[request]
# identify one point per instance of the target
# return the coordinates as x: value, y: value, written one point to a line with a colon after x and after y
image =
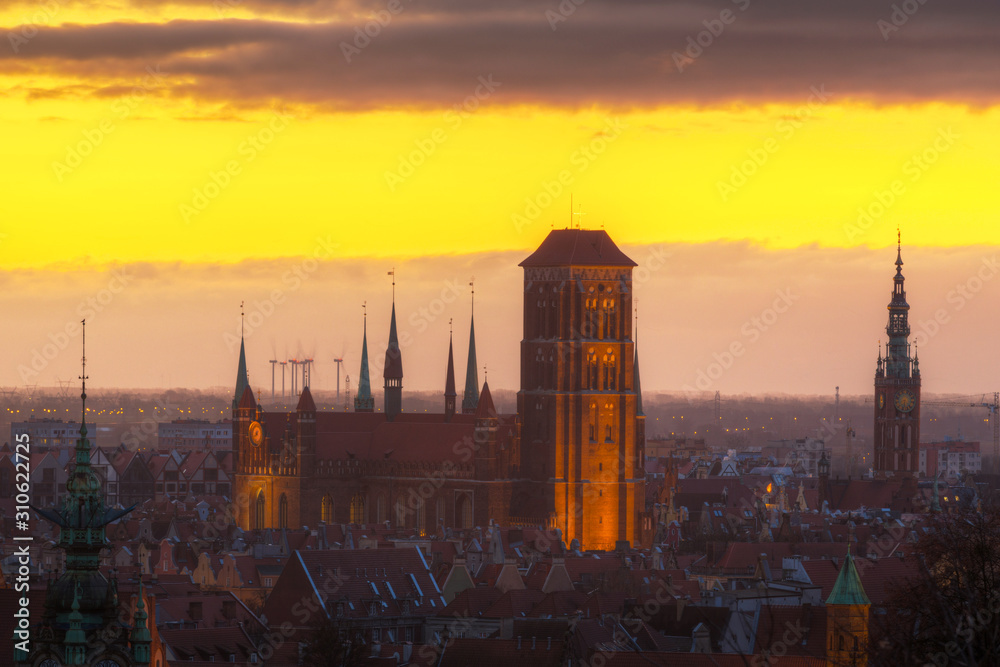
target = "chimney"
x: 532, y: 643
x: 519, y: 642
x: 549, y: 646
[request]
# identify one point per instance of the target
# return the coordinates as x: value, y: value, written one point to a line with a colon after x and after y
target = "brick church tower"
x: 897, y: 392
x: 578, y: 403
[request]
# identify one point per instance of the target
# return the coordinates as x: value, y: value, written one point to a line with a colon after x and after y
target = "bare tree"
x: 950, y: 613
x: 332, y: 643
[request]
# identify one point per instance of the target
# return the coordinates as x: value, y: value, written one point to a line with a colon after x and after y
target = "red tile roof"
x: 577, y: 247
x: 486, y: 409
x: 502, y: 653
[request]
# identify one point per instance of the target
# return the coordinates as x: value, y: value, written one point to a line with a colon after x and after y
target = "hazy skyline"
x: 177, y: 325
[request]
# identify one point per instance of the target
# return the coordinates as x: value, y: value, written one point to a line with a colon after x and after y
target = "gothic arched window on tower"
x: 593, y: 422
x: 420, y: 517
x: 258, y: 519
x: 463, y: 509
x: 609, y: 427
x: 283, y: 512
x: 591, y: 369
x: 380, y: 509
x: 326, y: 509
x: 590, y: 322
x: 609, y: 382
x: 539, y: 367
x: 358, y: 509
x: 610, y: 319
x: 401, y: 513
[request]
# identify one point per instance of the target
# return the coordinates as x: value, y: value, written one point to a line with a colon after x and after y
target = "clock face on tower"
x: 905, y: 401
x: 256, y: 433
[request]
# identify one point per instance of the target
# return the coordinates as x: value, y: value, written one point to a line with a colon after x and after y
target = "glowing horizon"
x: 222, y: 144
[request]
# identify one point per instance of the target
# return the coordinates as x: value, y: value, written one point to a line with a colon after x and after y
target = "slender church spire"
x: 393, y: 369
x: 470, y: 401
x: 449, y: 381
x: 242, y: 378
x: 364, y: 402
x: 635, y: 369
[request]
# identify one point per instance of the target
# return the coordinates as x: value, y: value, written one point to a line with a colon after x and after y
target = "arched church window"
x: 463, y: 510
x: 326, y: 509
x: 358, y: 509
x: 258, y: 518
x: 283, y: 512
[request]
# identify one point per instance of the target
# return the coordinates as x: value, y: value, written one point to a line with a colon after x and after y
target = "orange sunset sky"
x: 163, y: 161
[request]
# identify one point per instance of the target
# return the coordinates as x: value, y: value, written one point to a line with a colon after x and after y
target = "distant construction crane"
x: 994, y: 409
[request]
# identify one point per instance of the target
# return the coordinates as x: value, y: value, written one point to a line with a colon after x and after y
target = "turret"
x: 393, y: 372
x: 485, y: 435
x: 364, y: 402
x: 242, y: 377
x: 470, y: 401
x: 847, y: 612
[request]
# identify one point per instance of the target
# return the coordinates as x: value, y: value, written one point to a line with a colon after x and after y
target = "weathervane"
x: 472, y: 284
x: 393, y: 274
x: 572, y: 213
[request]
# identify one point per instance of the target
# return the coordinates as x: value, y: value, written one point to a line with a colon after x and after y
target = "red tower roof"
x: 486, y: 410
x: 306, y: 402
x: 578, y: 247
x: 247, y: 400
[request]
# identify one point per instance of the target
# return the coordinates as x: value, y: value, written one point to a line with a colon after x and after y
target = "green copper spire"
x: 470, y: 401
x: 242, y: 378
x: 638, y: 384
x: 81, y: 594
x: 847, y: 590
x: 139, y: 637
x: 364, y: 402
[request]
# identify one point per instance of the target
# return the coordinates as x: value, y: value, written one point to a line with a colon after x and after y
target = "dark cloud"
x: 622, y: 53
